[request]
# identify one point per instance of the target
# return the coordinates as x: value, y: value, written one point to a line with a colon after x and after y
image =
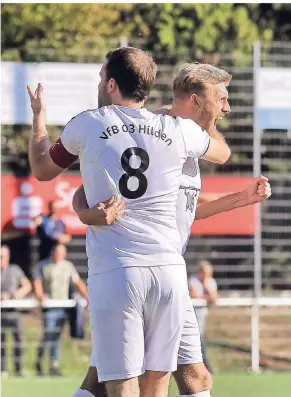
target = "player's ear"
x: 194, y: 100
x: 111, y: 85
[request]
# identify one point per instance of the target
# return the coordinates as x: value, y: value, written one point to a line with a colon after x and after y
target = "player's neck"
x: 179, y: 109
x: 129, y: 103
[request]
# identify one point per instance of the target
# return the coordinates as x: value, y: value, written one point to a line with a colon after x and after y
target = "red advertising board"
x: 25, y: 198
x: 241, y: 221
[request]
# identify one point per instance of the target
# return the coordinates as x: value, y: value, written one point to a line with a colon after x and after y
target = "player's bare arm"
x: 218, y: 151
x: 42, y: 166
x: 102, y: 214
x: 258, y: 191
x: 207, y: 197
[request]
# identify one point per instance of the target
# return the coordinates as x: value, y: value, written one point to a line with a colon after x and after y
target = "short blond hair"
x: 192, y: 77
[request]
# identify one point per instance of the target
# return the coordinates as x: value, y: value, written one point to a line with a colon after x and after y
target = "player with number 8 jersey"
x: 137, y: 280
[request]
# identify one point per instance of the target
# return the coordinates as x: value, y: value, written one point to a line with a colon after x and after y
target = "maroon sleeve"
x: 61, y: 156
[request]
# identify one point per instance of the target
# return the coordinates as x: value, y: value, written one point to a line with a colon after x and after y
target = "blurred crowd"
x: 53, y: 278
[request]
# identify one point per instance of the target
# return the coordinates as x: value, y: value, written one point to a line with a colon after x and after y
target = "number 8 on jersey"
x: 137, y: 172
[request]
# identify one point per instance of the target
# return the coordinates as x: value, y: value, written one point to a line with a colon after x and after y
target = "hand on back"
x: 109, y: 211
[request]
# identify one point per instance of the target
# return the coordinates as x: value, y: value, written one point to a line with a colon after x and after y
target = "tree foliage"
x: 37, y: 32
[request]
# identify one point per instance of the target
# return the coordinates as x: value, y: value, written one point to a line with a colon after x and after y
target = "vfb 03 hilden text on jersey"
x: 131, y: 128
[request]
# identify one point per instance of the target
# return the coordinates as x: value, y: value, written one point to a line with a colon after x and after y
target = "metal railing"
x: 221, y: 302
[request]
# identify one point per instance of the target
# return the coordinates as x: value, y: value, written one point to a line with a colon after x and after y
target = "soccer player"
x: 200, y: 93
x: 137, y: 280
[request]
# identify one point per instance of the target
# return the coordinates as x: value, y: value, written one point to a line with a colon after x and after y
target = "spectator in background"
x: 52, y: 281
x: 50, y: 230
x: 203, y: 286
x: 14, y: 285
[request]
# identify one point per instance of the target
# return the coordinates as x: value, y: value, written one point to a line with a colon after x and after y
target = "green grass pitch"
x: 225, y: 385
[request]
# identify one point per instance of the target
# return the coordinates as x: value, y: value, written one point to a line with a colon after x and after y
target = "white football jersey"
x: 187, y: 199
x: 138, y: 156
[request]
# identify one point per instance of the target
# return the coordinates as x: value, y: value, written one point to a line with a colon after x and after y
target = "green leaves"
x: 52, y: 31
x: 78, y: 32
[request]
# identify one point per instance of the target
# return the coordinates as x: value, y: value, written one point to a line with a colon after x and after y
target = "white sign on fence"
x: 274, y: 98
x: 69, y: 89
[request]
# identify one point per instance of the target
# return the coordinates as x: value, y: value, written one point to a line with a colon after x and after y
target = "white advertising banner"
x: 69, y: 88
x: 274, y: 98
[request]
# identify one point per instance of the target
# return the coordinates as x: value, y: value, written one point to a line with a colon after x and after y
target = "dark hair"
x: 133, y: 70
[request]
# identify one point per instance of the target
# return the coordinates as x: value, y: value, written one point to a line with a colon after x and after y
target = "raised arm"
x: 199, y: 143
x: 102, y: 214
x: 217, y: 149
x: 48, y: 161
x: 42, y: 166
x: 258, y: 190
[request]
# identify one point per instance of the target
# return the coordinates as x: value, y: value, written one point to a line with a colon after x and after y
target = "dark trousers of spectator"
x: 204, y: 355
x: 53, y: 325
x: 11, y: 321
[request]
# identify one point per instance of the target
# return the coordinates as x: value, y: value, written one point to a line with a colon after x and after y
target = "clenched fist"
x: 258, y: 190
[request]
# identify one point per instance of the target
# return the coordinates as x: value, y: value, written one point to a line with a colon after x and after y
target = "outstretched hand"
x: 36, y: 99
x: 258, y: 190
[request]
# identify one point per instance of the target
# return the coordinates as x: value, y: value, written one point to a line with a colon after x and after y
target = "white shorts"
x: 137, y: 316
x: 190, y: 344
